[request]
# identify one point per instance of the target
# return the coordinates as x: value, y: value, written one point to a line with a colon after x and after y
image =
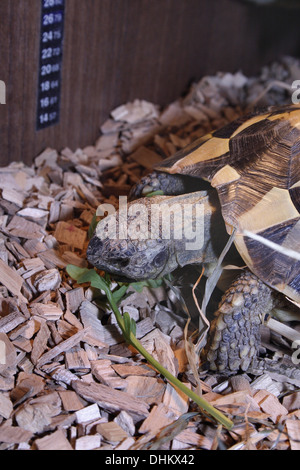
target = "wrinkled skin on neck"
x: 154, y: 236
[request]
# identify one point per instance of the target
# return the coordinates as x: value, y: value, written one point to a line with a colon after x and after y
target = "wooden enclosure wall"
x: 118, y: 50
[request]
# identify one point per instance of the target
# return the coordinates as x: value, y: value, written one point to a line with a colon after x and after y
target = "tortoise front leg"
x: 234, y: 336
x: 170, y: 185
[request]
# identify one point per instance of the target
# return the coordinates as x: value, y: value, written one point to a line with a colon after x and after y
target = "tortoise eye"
x: 160, y: 259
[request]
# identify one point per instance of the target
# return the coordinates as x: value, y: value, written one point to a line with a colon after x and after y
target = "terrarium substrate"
x: 67, y: 378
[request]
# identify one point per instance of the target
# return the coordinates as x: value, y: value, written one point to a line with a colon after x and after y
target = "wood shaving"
x: 67, y: 379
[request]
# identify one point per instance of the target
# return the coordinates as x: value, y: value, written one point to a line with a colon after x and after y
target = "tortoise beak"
x: 95, y: 251
x: 97, y: 255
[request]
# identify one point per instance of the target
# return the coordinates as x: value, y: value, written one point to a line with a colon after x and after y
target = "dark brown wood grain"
x: 115, y: 51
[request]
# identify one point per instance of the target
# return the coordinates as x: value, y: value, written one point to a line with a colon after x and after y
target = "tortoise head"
x: 151, y: 237
x: 129, y: 260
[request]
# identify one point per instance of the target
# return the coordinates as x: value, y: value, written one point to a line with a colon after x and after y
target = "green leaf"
x: 133, y: 326
x: 159, y: 192
x: 120, y: 293
x: 96, y: 281
x: 152, y: 283
x: 137, y: 286
x: 75, y: 272
x: 127, y: 324
x: 82, y: 275
x: 92, y: 226
x: 128, y: 328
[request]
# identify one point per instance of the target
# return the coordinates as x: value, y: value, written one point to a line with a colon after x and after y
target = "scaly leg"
x: 234, y: 336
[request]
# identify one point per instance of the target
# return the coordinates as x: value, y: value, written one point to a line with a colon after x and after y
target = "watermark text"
x: 2, y: 352
x: 296, y: 353
x: 2, y: 92
x: 138, y: 221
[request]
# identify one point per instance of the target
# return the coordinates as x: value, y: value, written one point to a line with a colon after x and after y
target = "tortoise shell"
x: 254, y: 163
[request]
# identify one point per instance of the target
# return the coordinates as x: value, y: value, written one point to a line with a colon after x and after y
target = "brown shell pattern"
x: 254, y: 163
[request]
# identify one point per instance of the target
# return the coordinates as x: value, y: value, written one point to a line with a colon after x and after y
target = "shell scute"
x: 254, y: 164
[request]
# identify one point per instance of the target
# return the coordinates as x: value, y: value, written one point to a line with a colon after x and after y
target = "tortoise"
x: 245, y: 176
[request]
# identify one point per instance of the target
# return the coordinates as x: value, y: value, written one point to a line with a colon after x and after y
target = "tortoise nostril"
x: 124, y: 263
x: 120, y: 262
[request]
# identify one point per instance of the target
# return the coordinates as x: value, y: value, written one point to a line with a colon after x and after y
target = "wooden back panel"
x: 118, y: 50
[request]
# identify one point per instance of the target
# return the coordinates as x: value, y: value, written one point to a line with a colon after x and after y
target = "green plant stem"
x: 89, y: 275
x: 218, y: 415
